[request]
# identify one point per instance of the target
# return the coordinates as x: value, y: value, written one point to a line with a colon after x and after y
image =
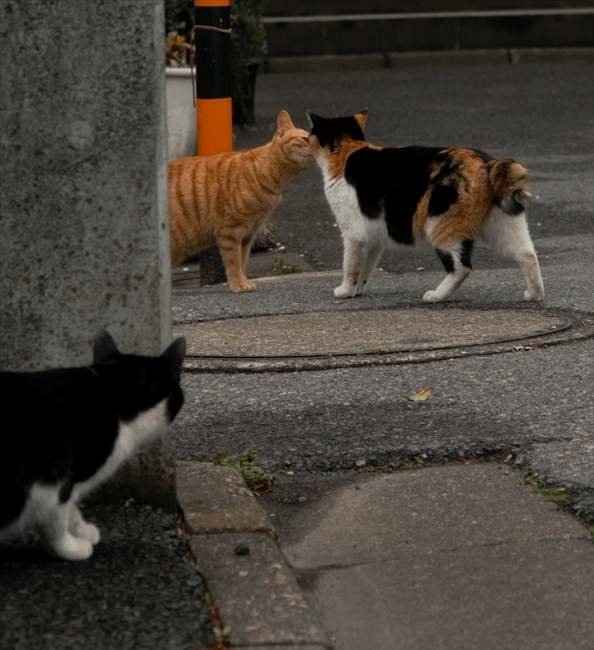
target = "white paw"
x: 432, y: 296
x: 72, y: 548
x: 90, y: 532
x: 534, y: 295
x: 344, y: 292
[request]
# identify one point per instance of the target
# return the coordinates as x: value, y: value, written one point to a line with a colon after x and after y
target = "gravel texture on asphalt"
x: 138, y: 591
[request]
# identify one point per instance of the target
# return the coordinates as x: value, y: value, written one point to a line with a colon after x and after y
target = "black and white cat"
x: 65, y: 431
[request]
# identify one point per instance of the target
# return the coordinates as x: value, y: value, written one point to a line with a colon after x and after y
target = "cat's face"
x: 328, y: 133
x: 293, y: 143
x: 139, y: 382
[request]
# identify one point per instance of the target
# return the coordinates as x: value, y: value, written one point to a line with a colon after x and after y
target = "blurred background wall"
x: 334, y: 27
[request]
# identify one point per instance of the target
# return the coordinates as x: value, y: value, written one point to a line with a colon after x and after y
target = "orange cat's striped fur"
x: 225, y: 199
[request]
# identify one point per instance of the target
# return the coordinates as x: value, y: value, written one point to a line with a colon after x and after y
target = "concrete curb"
x: 233, y: 545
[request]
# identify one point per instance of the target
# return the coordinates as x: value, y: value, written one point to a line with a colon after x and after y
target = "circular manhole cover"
x: 335, y: 334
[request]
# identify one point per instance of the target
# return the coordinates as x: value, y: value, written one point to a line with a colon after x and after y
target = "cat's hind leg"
x: 509, y: 235
x: 371, y: 254
x: 456, y: 261
x: 81, y: 528
x: 351, y: 268
x: 52, y: 517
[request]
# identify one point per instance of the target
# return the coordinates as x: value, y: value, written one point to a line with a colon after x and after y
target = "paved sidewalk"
x: 458, y: 558
x: 426, y: 576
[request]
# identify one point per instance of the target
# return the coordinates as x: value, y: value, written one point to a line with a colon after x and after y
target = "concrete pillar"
x: 84, y: 240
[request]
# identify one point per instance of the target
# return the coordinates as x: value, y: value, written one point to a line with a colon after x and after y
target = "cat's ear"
x: 284, y: 121
x: 104, y: 347
x: 361, y: 118
x: 174, y: 355
x: 314, y: 120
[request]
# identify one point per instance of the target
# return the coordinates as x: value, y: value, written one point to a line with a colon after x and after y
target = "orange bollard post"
x: 214, y: 113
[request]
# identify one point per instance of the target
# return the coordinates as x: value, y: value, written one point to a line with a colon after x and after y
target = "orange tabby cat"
x: 225, y: 199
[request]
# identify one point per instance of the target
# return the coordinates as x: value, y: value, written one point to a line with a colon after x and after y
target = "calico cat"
x: 64, y: 431
x: 452, y: 197
x: 226, y: 198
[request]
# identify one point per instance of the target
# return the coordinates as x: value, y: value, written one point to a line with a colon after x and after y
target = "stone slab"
x: 458, y: 557
x: 256, y: 593
x: 521, y: 596
x: 446, y: 508
x: 214, y: 499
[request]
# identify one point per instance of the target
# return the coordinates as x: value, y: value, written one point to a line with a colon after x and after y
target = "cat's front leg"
x: 371, y: 255
x: 229, y: 242
x: 56, y: 535
x: 351, y: 268
x: 246, y: 249
x: 81, y: 528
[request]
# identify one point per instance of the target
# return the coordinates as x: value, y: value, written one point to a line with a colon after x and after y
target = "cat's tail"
x: 509, y: 180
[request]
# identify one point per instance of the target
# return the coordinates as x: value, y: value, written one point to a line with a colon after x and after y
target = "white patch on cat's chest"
x: 131, y: 435
x: 353, y: 224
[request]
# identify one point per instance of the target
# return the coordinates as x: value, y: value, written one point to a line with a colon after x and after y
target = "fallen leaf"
x: 422, y: 396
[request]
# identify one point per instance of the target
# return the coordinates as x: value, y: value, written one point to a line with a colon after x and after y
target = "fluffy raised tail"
x: 509, y: 180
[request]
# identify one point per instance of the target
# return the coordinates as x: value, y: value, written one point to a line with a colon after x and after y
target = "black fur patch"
x: 446, y: 183
x: 392, y: 180
x: 466, y: 253
x: 442, y: 197
x: 65, y: 491
x: 514, y: 206
x: 446, y: 259
x: 329, y: 131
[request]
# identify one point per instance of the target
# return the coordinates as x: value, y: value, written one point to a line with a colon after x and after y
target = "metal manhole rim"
x: 567, y: 323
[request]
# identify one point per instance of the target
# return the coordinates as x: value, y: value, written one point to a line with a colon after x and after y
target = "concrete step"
x: 374, y: 31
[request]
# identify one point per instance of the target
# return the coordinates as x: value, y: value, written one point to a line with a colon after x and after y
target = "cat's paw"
x: 344, y: 292
x: 534, y: 295
x: 432, y: 296
x: 72, y: 548
x: 241, y: 287
x: 90, y: 532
